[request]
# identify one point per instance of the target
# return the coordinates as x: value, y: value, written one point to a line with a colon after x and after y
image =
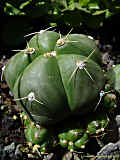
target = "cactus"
x: 58, y: 80
x: 55, y: 75
x: 36, y: 134
x: 113, y: 77
x: 76, y: 134
x: 73, y: 135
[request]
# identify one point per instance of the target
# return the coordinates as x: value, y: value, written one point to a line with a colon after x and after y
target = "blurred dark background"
x: 99, y: 19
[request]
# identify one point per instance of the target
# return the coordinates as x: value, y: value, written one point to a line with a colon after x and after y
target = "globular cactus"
x: 56, y: 76
x: 57, y: 80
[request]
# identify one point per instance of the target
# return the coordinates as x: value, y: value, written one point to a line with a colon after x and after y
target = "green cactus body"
x: 82, y: 45
x: 110, y: 102
x: 12, y: 73
x: 70, y: 137
x: 80, y: 143
x: 71, y: 134
x: 44, y: 42
x: 62, y: 136
x: 74, y: 134
x: 63, y: 143
x: 74, y: 143
x: 113, y: 77
x: 44, y: 147
x: 97, y: 124
x: 71, y: 146
x: 25, y: 119
x: 36, y: 135
x: 77, y: 136
x: 57, y: 78
x: 75, y: 89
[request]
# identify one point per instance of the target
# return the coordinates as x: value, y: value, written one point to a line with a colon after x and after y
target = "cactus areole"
x: 56, y: 76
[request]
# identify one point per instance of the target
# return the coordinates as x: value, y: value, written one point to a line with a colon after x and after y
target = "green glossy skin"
x: 36, y: 134
x: 47, y: 72
x: 113, y: 77
x: 61, y: 89
x: 71, y: 137
x: 76, y: 137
